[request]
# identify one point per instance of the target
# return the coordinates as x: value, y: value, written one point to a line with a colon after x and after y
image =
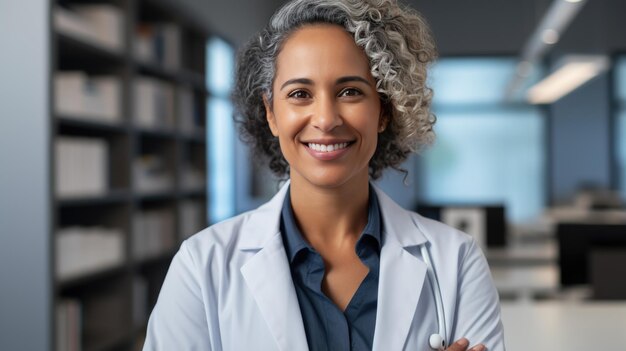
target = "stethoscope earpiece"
x: 437, y: 342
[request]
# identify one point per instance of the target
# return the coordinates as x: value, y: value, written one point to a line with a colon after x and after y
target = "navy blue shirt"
x: 326, y: 326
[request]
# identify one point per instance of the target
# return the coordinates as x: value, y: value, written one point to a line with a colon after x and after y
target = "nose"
x: 326, y: 115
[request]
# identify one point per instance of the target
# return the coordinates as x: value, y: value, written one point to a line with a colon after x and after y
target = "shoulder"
x: 442, y: 239
x: 249, y: 229
x: 457, y: 254
x: 237, y: 236
x: 412, y: 229
x: 220, y: 237
x: 220, y: 233
x: 439, y: 232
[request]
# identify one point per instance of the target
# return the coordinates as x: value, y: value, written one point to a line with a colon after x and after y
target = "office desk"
x: 527, y: 281
x: 567, y: 326
x: 545, y: 253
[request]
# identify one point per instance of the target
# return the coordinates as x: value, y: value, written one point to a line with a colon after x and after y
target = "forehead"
x: 319, y: 50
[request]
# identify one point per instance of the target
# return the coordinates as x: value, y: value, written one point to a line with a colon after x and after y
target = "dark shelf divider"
x: 158, y: 259
x: 113, y: 197
x: 156, y: 133
x: 70, y: 47
x: 91, y: 124
x: 91, y: 278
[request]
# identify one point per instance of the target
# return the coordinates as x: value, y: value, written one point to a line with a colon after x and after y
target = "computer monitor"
x: 576, y: 241
x: 487, y: 223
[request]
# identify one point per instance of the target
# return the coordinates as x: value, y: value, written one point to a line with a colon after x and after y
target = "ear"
x: 269, y: 115
x: 383, y: 120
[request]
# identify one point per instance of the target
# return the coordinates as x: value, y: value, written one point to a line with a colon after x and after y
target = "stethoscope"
x: 436, y: 341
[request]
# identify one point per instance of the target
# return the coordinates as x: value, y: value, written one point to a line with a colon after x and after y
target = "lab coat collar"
x: 268, y: 276
x: 264, y: 222
x: 398, y: 223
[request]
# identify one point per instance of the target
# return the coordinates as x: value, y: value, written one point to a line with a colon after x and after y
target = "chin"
x: 330, y: 178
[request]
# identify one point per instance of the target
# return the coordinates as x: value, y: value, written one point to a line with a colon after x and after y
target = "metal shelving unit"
x: 109, y: 293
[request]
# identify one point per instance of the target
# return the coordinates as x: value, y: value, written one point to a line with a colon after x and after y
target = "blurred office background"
x: 118, y: 142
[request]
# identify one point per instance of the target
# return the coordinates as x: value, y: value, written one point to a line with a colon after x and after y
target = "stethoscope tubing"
x: 432, y: 275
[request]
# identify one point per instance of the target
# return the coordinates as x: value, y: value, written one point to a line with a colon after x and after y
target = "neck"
x: 330, y: 217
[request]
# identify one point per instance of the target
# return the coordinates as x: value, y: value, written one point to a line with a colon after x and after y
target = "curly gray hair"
x: 399, y: 46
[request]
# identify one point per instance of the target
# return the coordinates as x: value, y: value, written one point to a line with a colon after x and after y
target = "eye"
x: 299, y: 94
x: 350, y: 92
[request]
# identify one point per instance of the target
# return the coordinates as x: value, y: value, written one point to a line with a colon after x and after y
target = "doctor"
x: 332, y: 92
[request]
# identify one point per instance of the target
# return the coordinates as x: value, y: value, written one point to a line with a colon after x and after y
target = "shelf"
x: 90, y: 278
x: 157, y: 195
x: 195, y: 79
x: 160, y: 8
x: 112, y: 342
x: 156, y: 133
x: 157, y: 259
x: 79, y: 50
x: 112, y: 198
x: 184, y: 76
x: 90, y: 124
x: 158, y: 71
x: 106, y: 295
x: 197, y: 137
x: 193, y: 192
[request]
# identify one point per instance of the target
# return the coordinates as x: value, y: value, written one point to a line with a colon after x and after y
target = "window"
x: 620, y: 137
x: 220, y: 130
x: 486, y: 150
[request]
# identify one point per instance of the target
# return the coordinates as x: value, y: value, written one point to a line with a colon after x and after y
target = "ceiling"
x: 477, y: 27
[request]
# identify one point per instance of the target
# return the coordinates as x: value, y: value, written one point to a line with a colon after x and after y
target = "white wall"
x: 25, y: 273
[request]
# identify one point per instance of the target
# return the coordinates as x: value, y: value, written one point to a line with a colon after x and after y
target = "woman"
x: 331, y: 92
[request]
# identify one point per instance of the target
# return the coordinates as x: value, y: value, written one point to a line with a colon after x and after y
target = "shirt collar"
x: 294, y: 242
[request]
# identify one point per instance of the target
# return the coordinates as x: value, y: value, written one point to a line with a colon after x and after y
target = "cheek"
x: 364, y: 119
x: 290, y: 123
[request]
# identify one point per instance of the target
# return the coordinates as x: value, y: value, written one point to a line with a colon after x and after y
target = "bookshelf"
x: 128, y: 109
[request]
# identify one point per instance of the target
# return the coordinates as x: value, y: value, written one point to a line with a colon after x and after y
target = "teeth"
x: 327, y: 148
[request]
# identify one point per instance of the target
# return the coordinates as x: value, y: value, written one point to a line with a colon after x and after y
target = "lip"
x: 327, y: 141
x: 328, y: 155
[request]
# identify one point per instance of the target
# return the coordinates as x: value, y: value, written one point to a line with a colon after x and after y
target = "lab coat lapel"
x: 401, y: 277
x: 268, y: 276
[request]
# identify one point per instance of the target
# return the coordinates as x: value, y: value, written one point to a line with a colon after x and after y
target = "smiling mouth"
x: 328, y: 147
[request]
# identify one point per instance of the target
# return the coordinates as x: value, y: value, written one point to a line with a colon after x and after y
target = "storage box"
x: 82, y: 167
x: 100, y: 25
x: 78, y: 95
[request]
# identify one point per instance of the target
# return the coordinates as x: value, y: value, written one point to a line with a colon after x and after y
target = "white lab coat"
x: 229, y: 287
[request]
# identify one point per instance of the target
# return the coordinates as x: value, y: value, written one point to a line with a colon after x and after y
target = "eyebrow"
x: 341, y: 80
x: 352, y: 79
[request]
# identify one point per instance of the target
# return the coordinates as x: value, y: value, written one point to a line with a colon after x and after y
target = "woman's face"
x: 326, y: 111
